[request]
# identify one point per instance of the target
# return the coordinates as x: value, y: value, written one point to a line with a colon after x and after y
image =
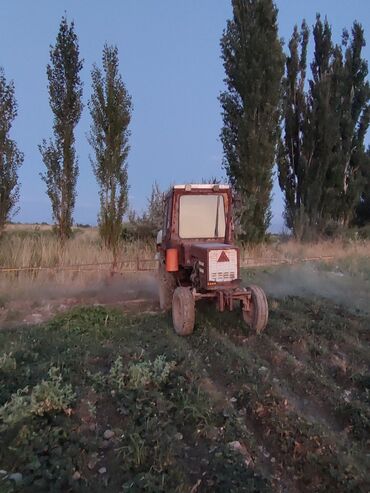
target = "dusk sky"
x: 170, y: 61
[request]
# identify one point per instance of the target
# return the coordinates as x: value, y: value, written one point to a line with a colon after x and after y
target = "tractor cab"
x: 210, y: 205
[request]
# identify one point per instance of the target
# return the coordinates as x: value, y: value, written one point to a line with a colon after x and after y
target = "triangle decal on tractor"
x: 223, y: 258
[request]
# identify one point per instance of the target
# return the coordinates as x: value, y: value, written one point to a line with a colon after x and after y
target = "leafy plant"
x: 49, y: 396
x: 16, y: 409
x: 98, y: 380
x: 147, y: 373
x: 141, y: 374
x: 50, y: 455
x: 116, y: 374
x: 7, y: 363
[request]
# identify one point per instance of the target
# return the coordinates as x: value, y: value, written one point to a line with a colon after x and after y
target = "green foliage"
x: 254, y: 63
x: 10, y: 157
x: 279, y: 396
x: 147, y: 226
x: 110, y: 108
x: 91, y: 322
x: 291, y: 165
x: 49, y: 396
x: 16, y: 409
x: 117, y: 377
x: 141, y: 374
x: 354, y: 123
x: 322, y: 160
x: 363, y: 207
x: 50, y: 453
x: 59, y: 156
x: 146, y: 373
x: 7, y: 363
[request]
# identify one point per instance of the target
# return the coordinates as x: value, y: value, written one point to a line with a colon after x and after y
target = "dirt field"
x: 113, y: 400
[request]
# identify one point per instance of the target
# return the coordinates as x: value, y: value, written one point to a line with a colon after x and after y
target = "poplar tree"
x: 305, y: 155
x: 354, y: 123
x: 321, y: 133
x: 292, y: 164
x: 322, y: 154
x: 58, y: 154
x: 254, y: 63
x: 110, y: 108
x: 10, y: 157
x: 362, y: 211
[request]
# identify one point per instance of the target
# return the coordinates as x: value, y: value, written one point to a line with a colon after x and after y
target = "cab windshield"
x: 202, y: 216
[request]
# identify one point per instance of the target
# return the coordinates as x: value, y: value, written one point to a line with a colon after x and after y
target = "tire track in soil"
x: 265, y: 447
x: 219, y: 394
x: 316, y: 370
x: 289, y: 376
x: 221, y: 388
x: 314, y: 408
x: 284, y: 368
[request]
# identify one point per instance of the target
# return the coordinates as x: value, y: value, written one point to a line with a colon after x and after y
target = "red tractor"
x: 198, y: 258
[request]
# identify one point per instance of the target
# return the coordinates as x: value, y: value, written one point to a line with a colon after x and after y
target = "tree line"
x: 310, y: 120
x: 110, y: 110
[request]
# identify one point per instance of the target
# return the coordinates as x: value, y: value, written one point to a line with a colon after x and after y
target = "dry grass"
x: 29, y: 227
x: 57, y: 270
x: 291, y: 250
x: 24, y: 246
x: 36, y: 246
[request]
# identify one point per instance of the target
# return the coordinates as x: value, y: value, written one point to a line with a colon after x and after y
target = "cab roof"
x: 204, y: 186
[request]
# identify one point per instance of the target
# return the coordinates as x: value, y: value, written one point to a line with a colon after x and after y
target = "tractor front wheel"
x: 257, y: 314
x: 166, y: 287
x: 183, y: 311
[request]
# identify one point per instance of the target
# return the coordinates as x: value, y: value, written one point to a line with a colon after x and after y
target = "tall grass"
x: 27, y: 246
x: 293, y: 250
x: 40, y: 248
x: 37, y: 247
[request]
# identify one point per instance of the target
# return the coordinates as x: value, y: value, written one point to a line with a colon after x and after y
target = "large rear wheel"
x: 183, y: 311
x: 166, y: 287
x: 257, y: 314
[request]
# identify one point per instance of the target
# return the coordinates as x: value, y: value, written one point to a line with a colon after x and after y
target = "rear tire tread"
x: 167, y: 285
x: 183, y: 311
x: 260, y: 309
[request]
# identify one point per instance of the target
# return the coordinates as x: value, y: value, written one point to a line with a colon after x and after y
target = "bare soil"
x: 37, y: 302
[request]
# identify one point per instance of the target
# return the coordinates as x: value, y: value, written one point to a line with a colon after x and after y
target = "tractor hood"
x: 218, y: 262
x: 201, y: 247
x: 212, y: 245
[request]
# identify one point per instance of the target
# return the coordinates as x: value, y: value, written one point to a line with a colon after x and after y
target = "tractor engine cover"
x: 217, y: 264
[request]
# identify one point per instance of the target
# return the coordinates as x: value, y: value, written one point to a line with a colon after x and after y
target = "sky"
x: 170, y: 62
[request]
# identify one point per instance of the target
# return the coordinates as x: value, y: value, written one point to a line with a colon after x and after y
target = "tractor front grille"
x: 222, y: 265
